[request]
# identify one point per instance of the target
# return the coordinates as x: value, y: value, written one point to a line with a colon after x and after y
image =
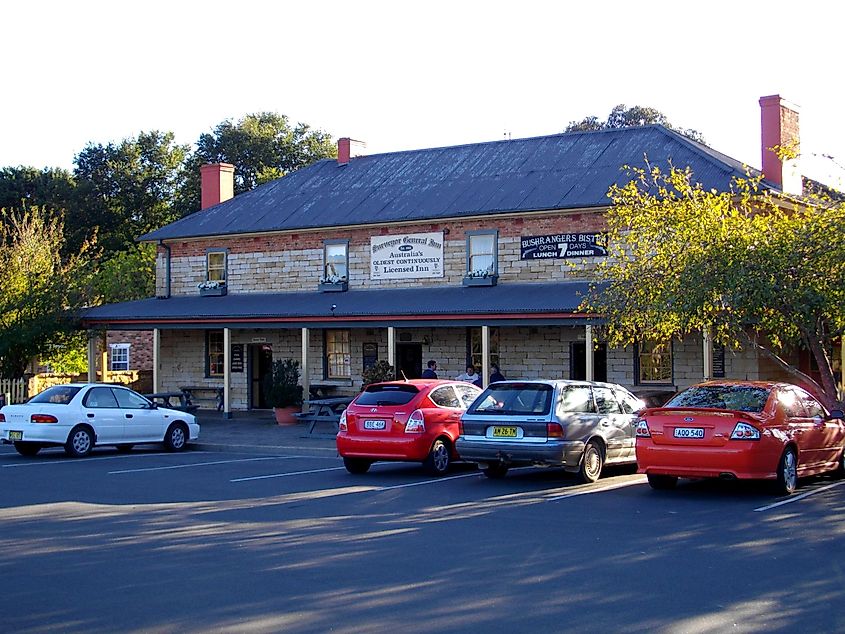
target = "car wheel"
x: 662, y: 482
x: 125, y: 448
x: 438, y: 460
x: 27, y: 448
x: 495, y: 471
x: 356, y: 465
x: 176, y: 438
x: 591, y: 463
x: 787, y: 479
x: 80, y: 442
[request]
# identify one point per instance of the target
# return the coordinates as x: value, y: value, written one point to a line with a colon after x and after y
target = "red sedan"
x: 413, y: 421
x: 740, y: 429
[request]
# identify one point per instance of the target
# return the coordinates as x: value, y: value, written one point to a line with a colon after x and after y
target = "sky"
x: 407, y: 74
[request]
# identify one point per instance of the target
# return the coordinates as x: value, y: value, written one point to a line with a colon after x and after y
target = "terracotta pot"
x: 285, y: 415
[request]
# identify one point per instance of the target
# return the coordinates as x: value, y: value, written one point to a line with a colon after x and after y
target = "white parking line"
x: 46, y: 463
x: 201, y: 464
x: 609, y: 487
x: 286, y: 475
x: 798, y: 498
x: 416, y: 484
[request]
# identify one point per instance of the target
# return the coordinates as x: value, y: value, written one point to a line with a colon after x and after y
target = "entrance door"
x: 578, y: 361
x: 409, y: 360
x: 260, y: 365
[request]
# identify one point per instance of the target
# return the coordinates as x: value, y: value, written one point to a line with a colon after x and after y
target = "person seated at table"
x: 429, y: 372
x: 470, y: 376
x: 496, y: 374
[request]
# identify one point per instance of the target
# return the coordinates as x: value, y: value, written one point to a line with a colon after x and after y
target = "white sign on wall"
x: 407, y: 256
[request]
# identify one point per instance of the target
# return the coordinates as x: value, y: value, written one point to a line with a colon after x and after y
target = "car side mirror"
x: 153, y: 405
x: 836, y: 413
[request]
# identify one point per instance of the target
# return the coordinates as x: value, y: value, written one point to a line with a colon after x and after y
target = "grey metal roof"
x: 544, y: 303
x: 562, y: 171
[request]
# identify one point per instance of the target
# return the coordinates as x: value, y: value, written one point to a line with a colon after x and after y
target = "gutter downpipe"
x: 166, y: 247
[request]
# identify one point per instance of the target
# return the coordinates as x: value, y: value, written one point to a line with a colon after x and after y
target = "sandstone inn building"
x: 474, y: 254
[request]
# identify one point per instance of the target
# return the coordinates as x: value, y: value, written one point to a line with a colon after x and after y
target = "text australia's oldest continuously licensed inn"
x: 460, y: 254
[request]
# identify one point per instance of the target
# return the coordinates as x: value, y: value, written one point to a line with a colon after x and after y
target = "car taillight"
x: 642, y: 428
x: 744, y: 431
x: 341, y: 424
x: 416, y: 423
x: 554, y: 430
x: 2, y: 418
x: 43, y: 418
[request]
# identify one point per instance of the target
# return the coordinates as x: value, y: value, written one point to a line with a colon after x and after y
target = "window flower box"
x: 212, y: 288
x: 480, y: 278
x: 333, y: 284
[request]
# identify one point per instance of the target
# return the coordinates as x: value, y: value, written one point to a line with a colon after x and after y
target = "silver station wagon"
x: 577, y: 425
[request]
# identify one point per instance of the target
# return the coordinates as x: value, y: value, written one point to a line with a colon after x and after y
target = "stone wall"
x: 293, y: 261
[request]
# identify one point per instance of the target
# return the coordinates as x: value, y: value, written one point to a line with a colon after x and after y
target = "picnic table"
x: 173, y: 400
x: 215, y: 395
x: 324, y: 410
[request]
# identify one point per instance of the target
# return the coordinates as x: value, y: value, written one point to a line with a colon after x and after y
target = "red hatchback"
x: 412, y: 421
x: 740, y: 429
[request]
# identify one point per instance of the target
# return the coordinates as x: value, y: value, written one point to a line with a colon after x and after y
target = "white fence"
x: 15, y: 389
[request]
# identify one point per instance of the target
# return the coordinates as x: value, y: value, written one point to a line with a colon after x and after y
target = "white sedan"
x: 78, y: 416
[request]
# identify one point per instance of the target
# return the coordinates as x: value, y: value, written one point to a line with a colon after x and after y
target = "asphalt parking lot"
x: 289, y: 541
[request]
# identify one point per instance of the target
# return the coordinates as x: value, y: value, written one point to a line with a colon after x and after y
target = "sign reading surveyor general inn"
x: 406, y: 256
x: 562, y: 246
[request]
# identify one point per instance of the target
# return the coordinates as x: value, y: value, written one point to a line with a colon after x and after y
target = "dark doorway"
x: 578, y: 361
x: 260, y: 365
x: 408, y: 360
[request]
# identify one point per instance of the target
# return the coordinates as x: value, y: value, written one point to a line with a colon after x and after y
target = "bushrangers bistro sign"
x: 408, y: 256
x: 563, y: 246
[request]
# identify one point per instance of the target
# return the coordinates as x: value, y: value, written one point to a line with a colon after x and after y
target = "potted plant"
x: 211, y: 288
x: 481, y: 277
x: 333, y: 284
x: 282, y: 390
x: 379, y: 372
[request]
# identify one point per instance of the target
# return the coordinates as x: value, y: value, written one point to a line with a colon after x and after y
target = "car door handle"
x: 128, y: 415
x: 90, y: 416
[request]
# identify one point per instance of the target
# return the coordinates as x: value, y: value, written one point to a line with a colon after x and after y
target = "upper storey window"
x: 215, y: 273
x: 335, y: 265
x: 215, y: 270
x: 482, y: 258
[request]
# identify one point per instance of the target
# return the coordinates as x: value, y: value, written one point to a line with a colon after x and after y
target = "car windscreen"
x: 59, y: 394
x: 743, y: 398
x: 387, y: 395
x: 514, y: 398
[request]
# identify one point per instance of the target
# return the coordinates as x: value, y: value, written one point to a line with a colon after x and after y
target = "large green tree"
x: 622, y: 117
x: 40, y: 292
x: 754, y: 269
x: 262, y: 147
x: 126, y: 189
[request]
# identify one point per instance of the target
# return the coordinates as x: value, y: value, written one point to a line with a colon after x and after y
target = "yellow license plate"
x: 15, y: 435
x: 504, y: 432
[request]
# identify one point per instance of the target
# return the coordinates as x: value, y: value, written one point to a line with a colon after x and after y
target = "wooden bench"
x: 215, y: 395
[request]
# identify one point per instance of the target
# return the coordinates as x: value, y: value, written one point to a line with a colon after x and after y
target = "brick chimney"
x: 344, y: 146
x: 218, y: 183
x: 349, y: 148
x: 779, y: 127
